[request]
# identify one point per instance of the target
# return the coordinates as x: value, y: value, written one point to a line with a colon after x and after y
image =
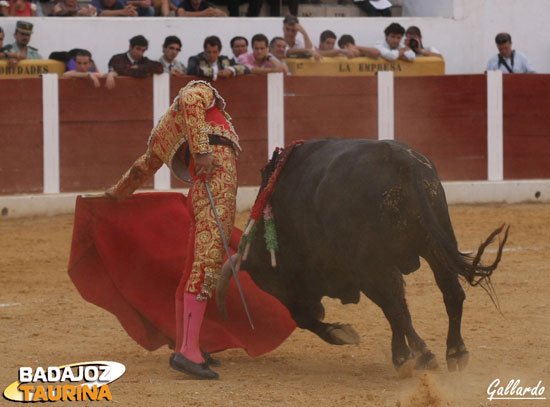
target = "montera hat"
x: 23, y: 27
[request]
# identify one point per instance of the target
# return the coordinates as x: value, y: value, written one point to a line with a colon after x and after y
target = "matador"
x: 194, y: 138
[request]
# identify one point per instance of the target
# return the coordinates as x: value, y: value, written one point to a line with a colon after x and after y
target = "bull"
x: 355, y: 216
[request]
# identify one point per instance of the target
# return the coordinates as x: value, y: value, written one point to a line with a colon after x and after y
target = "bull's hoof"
x: 457, y: 358
x: 318, y: 311
x: 342, y: 334
x: 405, y: 369
x: 426, y: 361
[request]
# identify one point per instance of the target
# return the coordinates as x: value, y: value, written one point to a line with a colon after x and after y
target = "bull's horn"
x: 223, y: 283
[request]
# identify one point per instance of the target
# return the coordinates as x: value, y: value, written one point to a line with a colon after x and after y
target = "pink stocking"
x: 192, y: 321
x: 179, y: 324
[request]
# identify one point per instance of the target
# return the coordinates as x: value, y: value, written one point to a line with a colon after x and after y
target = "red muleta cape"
x: 128, y: 257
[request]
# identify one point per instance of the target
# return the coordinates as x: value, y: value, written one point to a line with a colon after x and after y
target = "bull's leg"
x: 388, y: 293
x: 425, y: 359
x: 453, y: 296
x: 308, y: 316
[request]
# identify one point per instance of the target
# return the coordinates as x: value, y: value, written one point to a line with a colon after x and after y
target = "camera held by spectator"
x: 413, y: 44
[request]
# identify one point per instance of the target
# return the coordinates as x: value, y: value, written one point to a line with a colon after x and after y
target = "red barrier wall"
x: 526, y: 105
x: 102, y: 132
x: 445, y: 118
x: 21, y: 164
x: 317, y: 107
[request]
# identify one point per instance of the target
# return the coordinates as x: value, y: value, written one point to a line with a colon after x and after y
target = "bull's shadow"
x: 353, y: 216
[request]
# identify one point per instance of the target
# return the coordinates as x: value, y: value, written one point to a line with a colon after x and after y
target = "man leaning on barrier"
x: 347, y: 43
x: 211, y: 64
x: 413, y: 40
x: 392, y: 48
x: 84, y: 69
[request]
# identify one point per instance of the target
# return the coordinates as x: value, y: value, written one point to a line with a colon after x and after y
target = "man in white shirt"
x: 392, y: 49
x: 509, y: 60
x: 297, y: 48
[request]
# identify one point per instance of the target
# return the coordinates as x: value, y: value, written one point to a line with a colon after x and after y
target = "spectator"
x: 239, y: 46
x: 233, y: 6
x: 20, y: 49
x: 413, y: 39
x: 173, y: 6
x: 277, y: 47
x: 260, y: 61
x: 144, y: 8
x: 507, y: 59
x: 199, y: 8
x: 71, y: 8
x: 85, y: 68
x: 326, y: 48
x: 162, y: 7
x: 392, y: 48
x: 327, y: 40
x: 210, y: 64
x: 375, y: 8
x: 295, y: 46
x: 275, y: 6
x: 71, y: 64
x: 112, y: 8
x: 17, y: 8
x: 134, y: 63
x: 170, y: 50
x: 347, y: 42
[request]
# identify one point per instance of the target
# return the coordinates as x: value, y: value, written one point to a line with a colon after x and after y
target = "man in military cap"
x: 20, y: 49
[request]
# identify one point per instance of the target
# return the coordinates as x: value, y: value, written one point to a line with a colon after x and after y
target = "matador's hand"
x: 205, y: 163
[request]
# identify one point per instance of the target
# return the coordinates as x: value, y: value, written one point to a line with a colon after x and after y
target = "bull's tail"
x: 442, y: 247
x: 467, y: 266
x: 476, y: 273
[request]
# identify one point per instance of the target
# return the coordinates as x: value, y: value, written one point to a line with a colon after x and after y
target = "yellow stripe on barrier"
x: 30, y: 68
x: 338, y: 66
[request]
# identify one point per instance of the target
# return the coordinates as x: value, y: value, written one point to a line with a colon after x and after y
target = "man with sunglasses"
x: 170, y: 50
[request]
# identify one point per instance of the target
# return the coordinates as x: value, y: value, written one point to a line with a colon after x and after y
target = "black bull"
x: 354, y: 216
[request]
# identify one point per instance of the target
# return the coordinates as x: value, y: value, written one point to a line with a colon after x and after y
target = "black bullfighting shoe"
x: 198, y: 370
x: 209, y: 360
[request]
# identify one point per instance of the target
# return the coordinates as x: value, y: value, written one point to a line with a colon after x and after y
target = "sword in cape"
x: 226, y: 246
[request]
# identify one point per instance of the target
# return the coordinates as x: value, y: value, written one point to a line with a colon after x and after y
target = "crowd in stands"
x: 149, y: 8
x: 265, y: 55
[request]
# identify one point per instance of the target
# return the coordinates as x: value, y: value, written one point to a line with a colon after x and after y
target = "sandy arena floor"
x: 44, y: 322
